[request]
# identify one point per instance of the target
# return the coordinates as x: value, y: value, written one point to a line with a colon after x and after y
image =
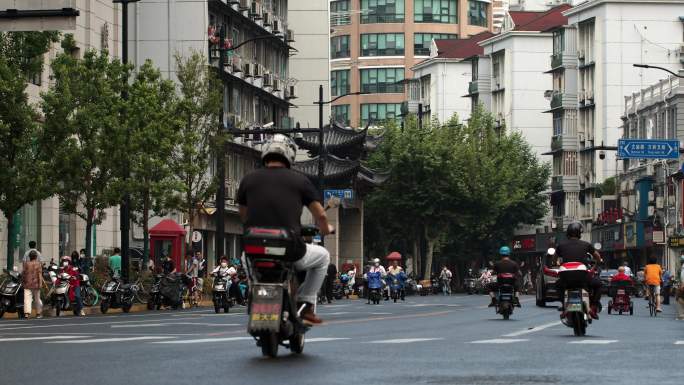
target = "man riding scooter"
x: 575, y: 250
x: 507, y: 271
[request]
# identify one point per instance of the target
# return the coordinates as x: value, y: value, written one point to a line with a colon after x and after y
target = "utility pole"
x: 221, y: 157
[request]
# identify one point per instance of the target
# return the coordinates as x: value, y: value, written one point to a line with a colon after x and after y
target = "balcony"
x: 564, y: 182
x: 556, y: 100
x: 556, y: 60
x: 564, y: 142
x: 472, y: 87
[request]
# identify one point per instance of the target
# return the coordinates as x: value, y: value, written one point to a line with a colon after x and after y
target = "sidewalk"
x: 137, y: 308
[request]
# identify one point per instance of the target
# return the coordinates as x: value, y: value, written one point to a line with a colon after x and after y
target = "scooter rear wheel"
x: 2, y: 310
x: 126, y: 307
x: 579, y: 326
x: 269, y: 344
x: 104, y: 306
x: 297, y: 343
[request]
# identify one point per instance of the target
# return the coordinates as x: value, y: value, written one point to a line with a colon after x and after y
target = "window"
x: 340, y: 114
x: 382, y: 11
x: 477, y: 13
x: 498, y: 60
x: 672, y: 123
x: 339, y: 12
x: 558, y: 42
x: 422, y: 41
x: 339, y: 47
x: 339, y: 82
x: 379, y: 112
x: 558, y: 123
x: 382, y: 44
x: 435, y: 11
x: 382, y: 80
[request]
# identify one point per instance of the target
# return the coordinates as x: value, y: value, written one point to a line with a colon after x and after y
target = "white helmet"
x: 281, y: 146
x: 376, y: 260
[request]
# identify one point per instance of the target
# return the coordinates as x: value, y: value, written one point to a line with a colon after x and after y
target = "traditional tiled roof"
x: 461, y: 48
x: 544, y: 20
x: 336, y: 170
x: 339, y: 141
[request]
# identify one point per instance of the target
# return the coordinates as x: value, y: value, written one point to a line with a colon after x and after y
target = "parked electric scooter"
x: 12, y: 294
x: 116, y: 294
x: 167, y: 291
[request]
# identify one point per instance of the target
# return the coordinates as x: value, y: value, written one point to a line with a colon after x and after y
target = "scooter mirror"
x: 597, y: 246
x: 551, y: 251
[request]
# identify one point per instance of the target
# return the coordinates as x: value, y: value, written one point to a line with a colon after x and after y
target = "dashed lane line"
x: 404, y: 340
x: 325, y: 339
x: 55, y: 325
x: 593, y: 342
x: 171, y: 324
x: 679, y: 343
x: 205, y: 340
x: 14, y: 339
x: 499, y: 341
x: 533, y: 329
x: 104, y: 340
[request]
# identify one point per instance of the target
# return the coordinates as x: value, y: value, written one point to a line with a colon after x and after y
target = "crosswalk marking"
x: 39, y: 338
x: 498, y: 341
x: 404, y: 340
x: 203, y: 340
x: 324, y: 339
x: 593, y: 342
x: 533, y: 329
x: 101, y: 340
x: 679, y: 343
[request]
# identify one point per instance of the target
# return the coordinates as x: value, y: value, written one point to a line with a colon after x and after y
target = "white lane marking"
x: 171, y: 324
x: 324, y: 339
x: 499, y: 341
x: 679, y: 343
x: 101, y: 340
x: 404, y: 340
x: 40, y: 338
x: 593, y: 342
x: 203, y: 340
x: 53, y: 325
x: 337, y: 313
x: 533, y: 329
x: 381, y: 313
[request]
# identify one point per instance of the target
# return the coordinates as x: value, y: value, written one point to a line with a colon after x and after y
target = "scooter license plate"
x: 266, y: 308
x: 574, y: 307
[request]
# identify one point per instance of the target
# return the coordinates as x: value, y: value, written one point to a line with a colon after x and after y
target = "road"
x: 426, y: 340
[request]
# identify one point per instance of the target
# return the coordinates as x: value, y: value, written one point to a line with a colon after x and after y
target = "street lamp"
x: 658, y: 68
x: 125, y: 208
x: 223, y: 48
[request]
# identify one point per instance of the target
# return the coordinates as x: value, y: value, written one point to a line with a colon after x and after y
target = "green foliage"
x: 608, y: 187
x: 154, y: 127
x: 82, y: 113
x: 25, y: 161
x: 198, y: 107
x: 454, y: 185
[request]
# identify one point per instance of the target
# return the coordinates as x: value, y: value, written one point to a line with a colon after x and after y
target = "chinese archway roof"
x: 342, y: 142
x: 341, y: 172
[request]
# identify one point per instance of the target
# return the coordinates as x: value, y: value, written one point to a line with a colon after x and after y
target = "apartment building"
x: 97, y: 26
x: 257, y: 85
x: 592, y: 68
x: 374, y: 48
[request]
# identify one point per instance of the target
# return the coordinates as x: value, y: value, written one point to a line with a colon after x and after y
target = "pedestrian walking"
x: 115, y: 261
x: 32, y: 277
x: 329, y: 281
x: 32, y: 247
x: 667, y: 287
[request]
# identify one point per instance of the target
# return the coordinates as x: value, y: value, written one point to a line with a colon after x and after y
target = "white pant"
x: 31, y: 295
x: 315, y: 262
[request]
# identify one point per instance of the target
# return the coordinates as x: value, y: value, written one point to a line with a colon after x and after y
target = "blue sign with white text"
x: 347, y: 194
x: 648, y: 149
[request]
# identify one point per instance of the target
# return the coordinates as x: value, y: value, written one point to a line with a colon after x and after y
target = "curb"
x: 49, y: 312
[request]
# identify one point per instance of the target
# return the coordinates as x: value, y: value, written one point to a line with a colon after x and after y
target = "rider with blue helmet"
x: 506, y: 266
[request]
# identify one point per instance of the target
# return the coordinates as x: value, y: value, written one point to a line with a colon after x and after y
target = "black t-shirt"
x: 574, y: 250
x: 274, y: 197
x: 168, y: 266
x: 506, y: 266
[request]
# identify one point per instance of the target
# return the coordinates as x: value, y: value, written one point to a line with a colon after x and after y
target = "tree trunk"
x: 10, y: 241
x: 146, y: 232
x: 428, y: 257
x: 89, y: 233
x: 416, y: 257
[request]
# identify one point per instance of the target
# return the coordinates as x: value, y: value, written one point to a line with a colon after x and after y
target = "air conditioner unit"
x: 255, y: 11
x: 237, y: 64
x: 248, y: 70
x: 290, y: 92
x: 245, y: 5
x: 276, y: 26
x: 290, y: 36
x: 268, y: 80
x: 267, y: 20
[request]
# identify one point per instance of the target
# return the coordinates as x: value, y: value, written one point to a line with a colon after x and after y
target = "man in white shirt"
x: 32, y: 247
x: 628, y: 271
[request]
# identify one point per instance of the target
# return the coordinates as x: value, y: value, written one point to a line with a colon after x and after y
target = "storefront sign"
x: 676, y: 241
x: 524, y: 244
x: 658, y: 236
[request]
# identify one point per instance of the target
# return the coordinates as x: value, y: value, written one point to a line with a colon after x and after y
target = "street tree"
x: 154, y: 126
x: 25, y: 166
x: 82, y: 111
x: 198, y: 107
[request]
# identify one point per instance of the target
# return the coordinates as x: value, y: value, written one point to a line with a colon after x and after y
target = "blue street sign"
x: 347, y: 194
x: 648, y: 149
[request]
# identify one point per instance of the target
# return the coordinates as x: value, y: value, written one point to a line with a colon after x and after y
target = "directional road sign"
x: 648, y: 149
x: 347, y: 194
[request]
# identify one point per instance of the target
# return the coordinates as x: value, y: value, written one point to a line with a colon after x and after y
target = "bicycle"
x: 652, y: 301
x: 142, y: 295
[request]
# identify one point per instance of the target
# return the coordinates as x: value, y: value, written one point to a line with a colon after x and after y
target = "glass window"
x: 477, y: 13
x: 339, y: 82
x: 379, y: 112
x: 382, y: 44
x: 382, y: 11
x: 339, y: 12
x: 340, y: 114
x: 339, y: 47
x: 558, y: 41
x: 435, y: 11
x: 422, y: 41
x: 382, y: 80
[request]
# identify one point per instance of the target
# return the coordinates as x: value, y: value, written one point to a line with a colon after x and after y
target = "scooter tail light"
x: 265, y: 264
x: 252, y: 249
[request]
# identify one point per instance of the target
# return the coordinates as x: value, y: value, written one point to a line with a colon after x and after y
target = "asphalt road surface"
x: 425, y: 340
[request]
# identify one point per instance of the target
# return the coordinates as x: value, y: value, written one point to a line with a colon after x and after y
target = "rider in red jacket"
x: 75, y: 282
